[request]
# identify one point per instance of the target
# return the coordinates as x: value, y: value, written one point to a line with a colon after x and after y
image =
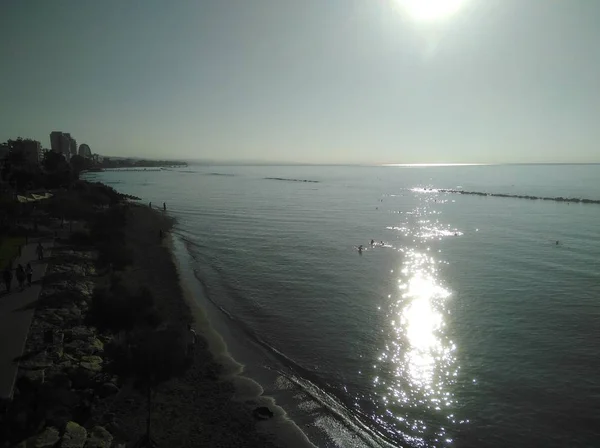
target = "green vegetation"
x: 116, y: 309
x: 9, y: 249
x: 149, y: 358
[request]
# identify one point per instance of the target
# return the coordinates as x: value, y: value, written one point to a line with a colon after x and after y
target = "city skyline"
x: 347, y: 82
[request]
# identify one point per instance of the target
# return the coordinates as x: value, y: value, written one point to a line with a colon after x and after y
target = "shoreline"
x: 67, y: 386
x: 280, y: 428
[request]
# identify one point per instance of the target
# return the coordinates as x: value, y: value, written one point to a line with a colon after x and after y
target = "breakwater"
x: 285, y: 179
x: 520, y: 196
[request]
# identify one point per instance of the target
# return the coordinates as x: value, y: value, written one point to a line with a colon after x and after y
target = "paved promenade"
x: 16, y: 313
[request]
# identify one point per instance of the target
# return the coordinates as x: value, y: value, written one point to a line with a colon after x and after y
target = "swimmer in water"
x: 372, y: 242
x: 557, y: 242
x: 360, y: 249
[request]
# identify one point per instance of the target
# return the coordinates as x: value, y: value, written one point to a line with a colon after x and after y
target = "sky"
x: 307, y: 81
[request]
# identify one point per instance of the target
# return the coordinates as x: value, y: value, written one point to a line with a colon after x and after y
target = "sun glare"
x: 430, y: 10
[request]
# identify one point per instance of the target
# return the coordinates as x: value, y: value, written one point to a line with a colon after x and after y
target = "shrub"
x: 116, y: 310
x: 116, y: 254
x: 149, y: 358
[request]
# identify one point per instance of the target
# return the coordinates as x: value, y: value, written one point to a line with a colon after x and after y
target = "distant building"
x: 85, y: 151
x: 73, y: 146
x: 62, y: 143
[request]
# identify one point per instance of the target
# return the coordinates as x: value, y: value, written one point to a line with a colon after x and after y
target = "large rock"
x: 34, y: 377
x: 95, y: 345
x: 99, y: 438
x: 74, y: 436
x: 108, y: 389
x: 79, y: 333
x: 84, y: 347
x: 92, y: 363
x: 262, y: 413
x: 37, y: 362
x: 47, y: 439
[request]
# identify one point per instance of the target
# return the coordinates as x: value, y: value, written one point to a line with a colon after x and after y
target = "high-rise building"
x: 62, y: 143
x: 73, y: 145
x: 85, y: 151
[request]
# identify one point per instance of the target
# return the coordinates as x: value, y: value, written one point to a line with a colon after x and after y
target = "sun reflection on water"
x: 417, y: 366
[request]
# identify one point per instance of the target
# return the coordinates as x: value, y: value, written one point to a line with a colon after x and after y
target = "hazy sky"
x: 351, y: 81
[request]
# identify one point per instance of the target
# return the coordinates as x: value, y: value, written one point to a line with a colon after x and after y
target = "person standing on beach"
x: 164, y: 206
x: 7, y: 277
x: 192, y: 336
x: 29, y: 273
x: 20, y: 276
x: 149, y: 204
x: 39, y: 250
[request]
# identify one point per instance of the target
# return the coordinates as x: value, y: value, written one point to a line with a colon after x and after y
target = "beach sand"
x: 212, y: 404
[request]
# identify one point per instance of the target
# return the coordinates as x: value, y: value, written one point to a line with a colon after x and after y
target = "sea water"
x: 472, y: 321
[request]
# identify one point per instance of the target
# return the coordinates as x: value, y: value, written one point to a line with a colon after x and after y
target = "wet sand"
x: 212, y: 404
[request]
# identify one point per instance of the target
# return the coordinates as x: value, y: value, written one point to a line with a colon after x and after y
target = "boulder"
x: 79, y: 333
x: 37, y: 362
x: 34, y: 377
x: 95, y: 345
x: 108, y: 389
x: 47, y: 438
x: 92, y: 363
x: 99, y: 438
x: 262, y: 413
x: 56, y: 353
x: 84, y: 347
x: 74, y: 436
x: 54, y: 319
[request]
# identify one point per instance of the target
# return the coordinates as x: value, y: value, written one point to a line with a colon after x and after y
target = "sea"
x: 471, y: 321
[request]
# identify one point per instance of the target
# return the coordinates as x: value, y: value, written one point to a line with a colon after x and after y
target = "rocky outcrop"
x: 99, y: 438
x: 74, y: 436
x: 47, y: 439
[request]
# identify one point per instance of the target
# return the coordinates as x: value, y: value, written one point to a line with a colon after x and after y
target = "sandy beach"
x: 198, y: 409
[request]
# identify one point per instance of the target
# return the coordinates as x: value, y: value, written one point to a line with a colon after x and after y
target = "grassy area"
x: 9, y: 249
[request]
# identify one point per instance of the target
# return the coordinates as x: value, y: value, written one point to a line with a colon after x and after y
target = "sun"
x: 430, y: 10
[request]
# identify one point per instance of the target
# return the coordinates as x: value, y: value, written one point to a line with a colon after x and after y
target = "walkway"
x: 16, y: 313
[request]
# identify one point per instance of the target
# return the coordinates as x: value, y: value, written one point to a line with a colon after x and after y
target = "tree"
x: 53, y: 161
x: 78, y: 164
x: 150, y: 359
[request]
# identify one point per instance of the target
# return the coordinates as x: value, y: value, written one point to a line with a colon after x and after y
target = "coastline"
x: 67, y: 387
x: 204, y: 407
x: 279, y: 429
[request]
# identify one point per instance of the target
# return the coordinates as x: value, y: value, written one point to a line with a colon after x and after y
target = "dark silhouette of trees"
x: 150, y: 358
x: 78, y: 164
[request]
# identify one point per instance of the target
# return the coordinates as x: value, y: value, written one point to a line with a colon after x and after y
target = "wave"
x: 336, y: 406
x: 286, y: 179
x: 520, y: 196
x: 220, y: 174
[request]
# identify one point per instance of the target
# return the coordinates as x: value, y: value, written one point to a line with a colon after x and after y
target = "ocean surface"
x: 474, y: 321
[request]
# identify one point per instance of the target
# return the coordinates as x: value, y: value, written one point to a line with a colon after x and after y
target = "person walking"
x: 20, y: 276
x: 39, y: 250
x: 29, y: 273
x: 7, y: 277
